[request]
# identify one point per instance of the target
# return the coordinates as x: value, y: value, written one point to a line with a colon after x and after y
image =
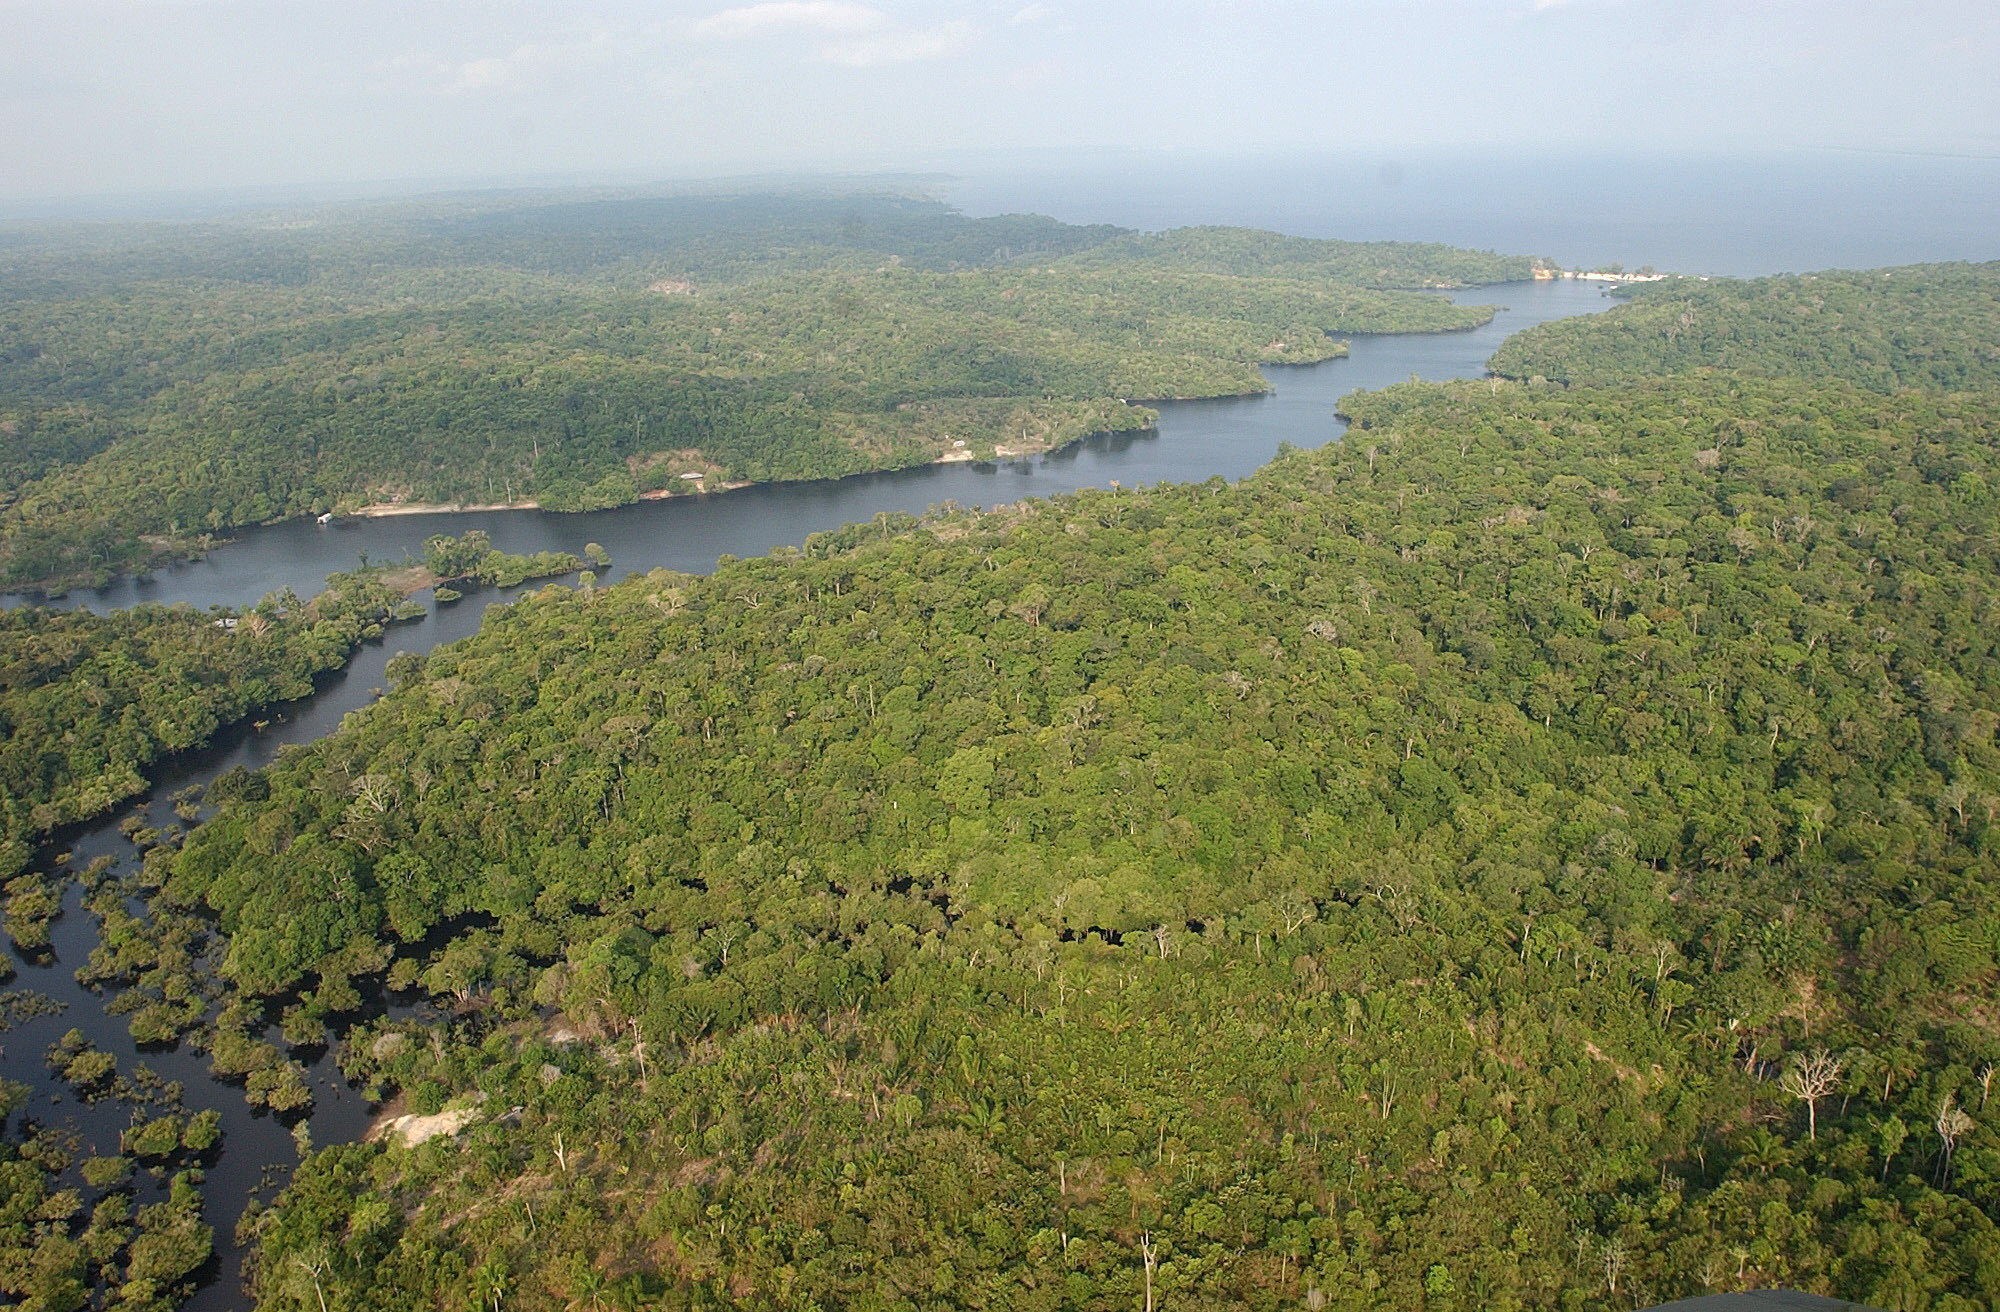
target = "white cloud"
x: 528, y: 64
x: 1550, y: 6
x: 850, y: 35
x: 785, y: 16
x: 1030, y: 14
x: 495, y: 72
x: 900, y: 46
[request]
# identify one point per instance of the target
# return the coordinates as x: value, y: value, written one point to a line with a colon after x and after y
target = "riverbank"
x: 687, y: 532
x: 392, y: 509
x: 703, y: 487
x: 1617, y: 276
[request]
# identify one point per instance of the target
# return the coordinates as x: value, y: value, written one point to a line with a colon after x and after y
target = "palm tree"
x: 489, y: 1286
x: 1764, y: 1150
x: 589, y: 1289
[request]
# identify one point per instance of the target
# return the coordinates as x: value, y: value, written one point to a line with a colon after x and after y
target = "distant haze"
x: 1743, y: 214
x: 129, y: 96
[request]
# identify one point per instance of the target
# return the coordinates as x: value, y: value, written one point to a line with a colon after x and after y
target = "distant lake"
x: 1744, y: 216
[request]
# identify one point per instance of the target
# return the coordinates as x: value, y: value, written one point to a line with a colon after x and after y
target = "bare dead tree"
x: 1811, y: 1078
x: 638, y: 1047
x: 1952, y: 1125
x: 1150, y: 1255
x: 1386, y: 1093
x: 314, y: 1270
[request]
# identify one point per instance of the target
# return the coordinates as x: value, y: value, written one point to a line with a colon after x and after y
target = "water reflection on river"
x: 1195, y: 440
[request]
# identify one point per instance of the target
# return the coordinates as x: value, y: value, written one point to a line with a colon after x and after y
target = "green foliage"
x: 87, y: 1068
x: 68, y: 1242
x: 106, y: 1172
x: 88, y: 701
x: 33, y: 901
x: 1934, y: 325
x: 1247, y: 252
x: 473, y: 556
x: 156, y: 1138
x: 581, y: 355
x: 1406, y: 875
x: 156, y: 962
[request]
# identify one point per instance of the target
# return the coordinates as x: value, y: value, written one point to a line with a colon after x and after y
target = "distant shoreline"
x: 999, y: 452
x: 955, y: 456
x: 1598, y: 275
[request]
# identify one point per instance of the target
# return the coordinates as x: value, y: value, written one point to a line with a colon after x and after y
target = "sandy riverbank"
x: 956, y: 456
x: 390, y: 509
x: 700, y: 489
x: 387, y: 509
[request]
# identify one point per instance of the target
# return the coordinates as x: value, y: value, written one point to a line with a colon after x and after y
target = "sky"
x: 114, y: 97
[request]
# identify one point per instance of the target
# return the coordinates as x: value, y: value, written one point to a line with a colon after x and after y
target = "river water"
x: 1194, y: 440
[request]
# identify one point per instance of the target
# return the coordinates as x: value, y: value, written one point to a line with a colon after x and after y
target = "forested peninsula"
x: 162, y: 383
x: 88, y: 702
x: 1932, y: 326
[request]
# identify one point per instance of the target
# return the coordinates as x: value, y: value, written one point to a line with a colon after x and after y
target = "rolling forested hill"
x: 1932, y: 325
x: 158, y: 382
x: 1539, y: 853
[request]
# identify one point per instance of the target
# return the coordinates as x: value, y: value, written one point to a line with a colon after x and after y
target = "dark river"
x: 1195, y: 440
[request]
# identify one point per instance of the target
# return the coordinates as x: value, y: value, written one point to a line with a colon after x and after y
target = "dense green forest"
x: 88, y: 701
x: 163, y: 382
x: 1247, y: 252
x: 1541, y: 852
x: 1934, y: 325
x: 634, y: 240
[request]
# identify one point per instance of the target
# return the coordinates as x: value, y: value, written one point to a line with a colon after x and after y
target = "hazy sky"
x: 139, y: 95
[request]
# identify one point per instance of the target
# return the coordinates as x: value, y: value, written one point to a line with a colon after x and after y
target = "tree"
x: 1812, y: 1077
x: 1889, y: 1136
x: 314, y: 1269
x: 1952, y: 1124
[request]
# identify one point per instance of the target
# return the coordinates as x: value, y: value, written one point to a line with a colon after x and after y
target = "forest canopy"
x: 1539, y: 852
x: 1543, y: 851
x: 88, y: 701
x: 1925, y: 325
x: 163, y: 382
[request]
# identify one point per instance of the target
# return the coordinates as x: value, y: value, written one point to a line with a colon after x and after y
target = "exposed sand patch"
x: 409, y: 1131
